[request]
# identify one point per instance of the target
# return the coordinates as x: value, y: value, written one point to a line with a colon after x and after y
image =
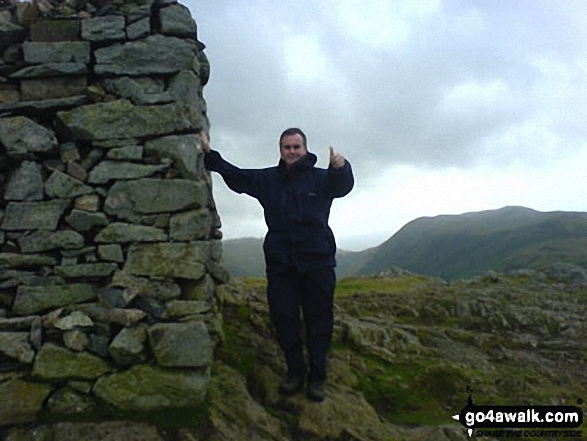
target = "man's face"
x: 292, y: 148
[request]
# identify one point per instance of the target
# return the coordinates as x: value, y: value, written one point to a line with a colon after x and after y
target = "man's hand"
x: 336, y: 159
x: 205, y: 142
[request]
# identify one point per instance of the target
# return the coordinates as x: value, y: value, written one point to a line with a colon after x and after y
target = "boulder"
x: 48, y: 105
x: 179, y: 309
x: 129, y: 87
x: 34, y: 215
x: 184, y: 150
x: 129, y: 346
x: 21, y: 135
x: 76, y: 319
x: 107, y: 171
x: 25, y: 183
x: 50, y: 240
x: 146, y: 196
x: 121, y: 119
x: 345, y: 413
x: 119, y: 232
x: 191, y: 225
x: 186, y: 88
x: 50, y: 70
x: 235, y: 414
x: 103, y: 314
x: 89, y: 203
x: 61, y: 185
x: 181, y: 344
x: 156, y: 54
x: 181, y: 260
x: 21, y: 401
x: 15, y: 260
x: 56, y: 363
x: 47, y: 88
x: 139, y: 29
x: 100, y: 269
x: 68, y: 401
x: 129, y: 153
x: 146, y: 388
x: 107, y: 28
x: 140, y: 286
x: 111, y: 253
x: 33, y: 299
x: 61, y: 52
x: 16, y: 345
x: 568, y: 273
x: 176, y: 20
x: 75, y: 340
x: 85, y: 221
x: 203, y: 289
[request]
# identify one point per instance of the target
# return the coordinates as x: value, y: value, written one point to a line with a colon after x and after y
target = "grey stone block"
x: 26, y: 183
x: 21, y: 135
x: 62, y: 52
x: 108, y: 28
x: 153, y: 55
x: 176, y: 20
x: 34, y: 215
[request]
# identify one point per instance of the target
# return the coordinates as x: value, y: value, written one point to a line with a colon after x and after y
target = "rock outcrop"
x: 108, y: 267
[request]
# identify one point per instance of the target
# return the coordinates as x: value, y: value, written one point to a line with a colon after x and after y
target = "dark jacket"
x: 296, y: 202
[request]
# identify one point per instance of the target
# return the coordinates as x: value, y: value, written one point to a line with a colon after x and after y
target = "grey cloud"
x: 395, y: 94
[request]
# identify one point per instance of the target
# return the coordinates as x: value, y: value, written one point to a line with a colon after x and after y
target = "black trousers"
x: 313, y: 292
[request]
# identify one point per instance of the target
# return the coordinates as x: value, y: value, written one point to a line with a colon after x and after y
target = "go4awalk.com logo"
x: 521, y: 421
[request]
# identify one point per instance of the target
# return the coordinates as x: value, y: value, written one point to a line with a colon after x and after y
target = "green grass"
x: 409, y: 394
x: 253, y: 282
x: 350, y: 286
x: 426, y: 387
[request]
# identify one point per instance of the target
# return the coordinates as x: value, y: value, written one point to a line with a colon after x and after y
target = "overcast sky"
x: 442, y: 107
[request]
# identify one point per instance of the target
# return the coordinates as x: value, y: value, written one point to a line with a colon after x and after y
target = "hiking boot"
x: 315, y: 391
x: 291, y: 384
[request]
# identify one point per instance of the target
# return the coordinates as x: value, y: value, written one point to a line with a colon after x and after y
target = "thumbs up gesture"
x: 336, y: 159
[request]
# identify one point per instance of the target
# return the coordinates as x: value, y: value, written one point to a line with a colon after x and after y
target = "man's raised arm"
x: 238, y: 180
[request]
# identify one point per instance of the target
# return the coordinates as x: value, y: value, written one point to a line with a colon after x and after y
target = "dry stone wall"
x: 109, y: 266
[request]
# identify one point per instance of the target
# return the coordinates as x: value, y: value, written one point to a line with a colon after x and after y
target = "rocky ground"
x: 406, y: 347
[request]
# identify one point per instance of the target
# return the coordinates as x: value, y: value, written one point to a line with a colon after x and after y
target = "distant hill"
x: 459, y: 246
x: 453, y: 246
x: 244, y: 257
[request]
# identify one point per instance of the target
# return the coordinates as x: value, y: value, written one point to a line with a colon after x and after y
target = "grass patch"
x: 403, y: 394
x: 255, y: 283
x: 349, y: 286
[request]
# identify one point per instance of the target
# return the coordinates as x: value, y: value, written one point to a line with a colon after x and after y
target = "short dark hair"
x: 291, y: 132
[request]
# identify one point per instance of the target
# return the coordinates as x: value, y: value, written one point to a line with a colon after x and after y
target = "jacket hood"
x: 306, y: 161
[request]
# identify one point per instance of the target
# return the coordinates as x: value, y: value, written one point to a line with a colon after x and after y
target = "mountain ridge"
x: 453, y: 246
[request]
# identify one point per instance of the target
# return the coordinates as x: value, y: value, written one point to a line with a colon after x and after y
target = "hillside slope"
x: 244, y: 257
x: 459, y: 246
x: 452, y: 246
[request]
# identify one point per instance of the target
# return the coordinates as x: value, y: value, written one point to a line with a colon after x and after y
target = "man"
x: 299, y: 248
